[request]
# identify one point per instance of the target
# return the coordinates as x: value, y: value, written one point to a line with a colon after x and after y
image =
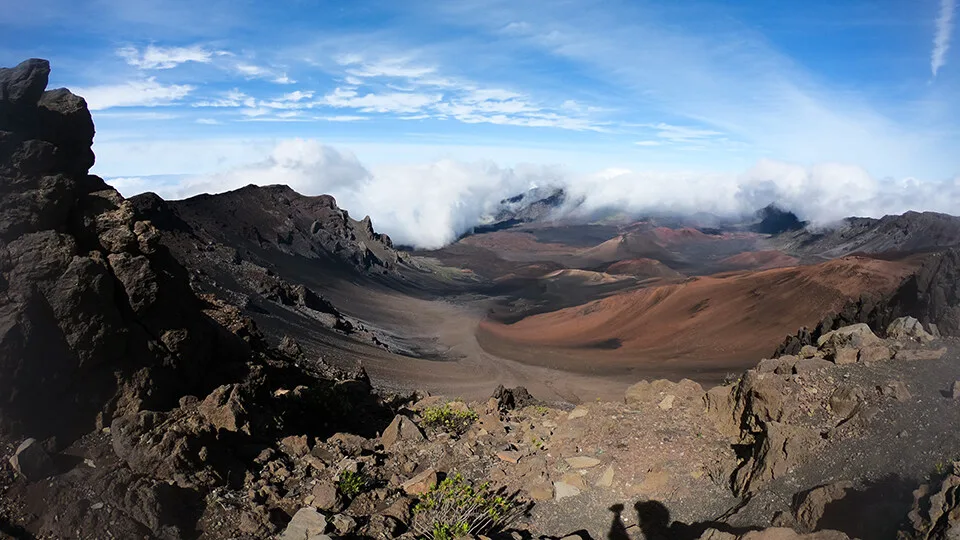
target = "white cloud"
x: 341, y: 118
x: 387, y: 67
x: 253, y: 71
x: 391, y: 102
x: 133, y: 185
x: 208, y: 121
x: 431, y: 203
x: 153, y: 57
x: 298, y: 95
x: 425, y: 205
x: 516, y: 28
x: 233, y: 98
x: 144, y: 93
x: 682, y: 133
x: 255, y: 112
x: 647, y: 143
x: 941, y: 36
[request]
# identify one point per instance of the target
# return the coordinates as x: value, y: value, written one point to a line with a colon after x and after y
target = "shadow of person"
x: 654, y: 520
x: 618, y: 531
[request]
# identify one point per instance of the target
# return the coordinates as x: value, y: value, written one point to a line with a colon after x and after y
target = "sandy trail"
x: 466, y: 369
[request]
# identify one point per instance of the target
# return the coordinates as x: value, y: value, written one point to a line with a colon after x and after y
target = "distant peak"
x: 776, y: 220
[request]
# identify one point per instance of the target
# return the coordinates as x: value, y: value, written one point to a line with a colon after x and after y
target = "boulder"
x: 873, y: 354
x: 895, y: 390
x: 224, y: 408
x: 854, y: 336
x: 23, y: 86
x: 295, y: 446
x: 720, y: 402
x: 809, y: 506
x: 327, y: 497
x: 845, y: 399
x: 290, y: 347
x: 31, y: 461
x: 777, y: 449
x: 582, y: 462
x: 307, y: 524
x: 563, y: 490
x: 935, y: 514
x: 685, y: 392
x: 811, y: 365
x: 845, y: 355
x: 606, y: 479
x: 908, y: 328
x: 512, y: 398
x: 421, y: 483
x: 343, y: 524
x: 401, y: 429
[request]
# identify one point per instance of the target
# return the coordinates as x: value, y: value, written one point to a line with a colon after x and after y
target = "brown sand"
x: 760, y: 260
x: 706, y: 325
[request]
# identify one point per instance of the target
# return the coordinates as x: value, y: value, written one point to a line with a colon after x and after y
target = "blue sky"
x: 778, y: 98
x: 694, y: 85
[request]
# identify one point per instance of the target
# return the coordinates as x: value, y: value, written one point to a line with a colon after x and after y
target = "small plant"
x: 939, y: 467
x: 537, y: 443
x: 350, y: 484
x: 455, y: 508
x: 447, y: 418
x: 541, y: 410
x: 731, y: 378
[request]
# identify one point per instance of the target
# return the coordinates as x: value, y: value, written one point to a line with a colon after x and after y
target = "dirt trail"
x: 461, y: 367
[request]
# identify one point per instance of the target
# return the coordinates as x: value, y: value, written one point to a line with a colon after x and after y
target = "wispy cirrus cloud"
x: 140, y: 93
x: 253, y: 71
x: 942, y: 34
x: 387, y: 102
x: 154, y: 57
x: 232, y: 98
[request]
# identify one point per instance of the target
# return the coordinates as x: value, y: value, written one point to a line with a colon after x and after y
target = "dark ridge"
x: 775, y: 220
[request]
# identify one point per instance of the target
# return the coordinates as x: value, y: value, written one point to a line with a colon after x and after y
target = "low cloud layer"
x: 430, y: 205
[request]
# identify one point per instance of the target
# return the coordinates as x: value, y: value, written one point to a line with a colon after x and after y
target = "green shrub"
x: 448, y: 418
x: 350, y: 484
x: 455, y: 508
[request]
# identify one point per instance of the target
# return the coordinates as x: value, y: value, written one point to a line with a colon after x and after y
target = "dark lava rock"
x: 775, y: 220
x: 93, y: 315
x: 513, y: 398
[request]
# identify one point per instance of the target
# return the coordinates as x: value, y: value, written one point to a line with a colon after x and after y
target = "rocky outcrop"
x: 779, y: 413
x: 93, y: 310
x: 254, y: 221
x: 936, y: 510
x: 909, y: 232
x: 931, y: 294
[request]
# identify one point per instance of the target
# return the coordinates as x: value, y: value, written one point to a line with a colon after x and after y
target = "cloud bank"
x: 430, y: 205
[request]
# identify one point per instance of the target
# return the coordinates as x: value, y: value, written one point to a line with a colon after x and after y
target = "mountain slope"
x: 907, y: 233
x: 699, y: 328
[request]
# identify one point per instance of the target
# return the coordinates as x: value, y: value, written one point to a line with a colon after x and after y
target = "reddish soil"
x: 506, y: 242
x: 760, y: 260
x: 643, y: 268
x: 666, y: 236
x: 706, y: 326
